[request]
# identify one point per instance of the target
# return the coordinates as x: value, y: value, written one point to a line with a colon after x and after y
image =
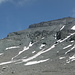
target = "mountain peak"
x: 68, y: 17
x: 48, y: 48
x: 64, y: 20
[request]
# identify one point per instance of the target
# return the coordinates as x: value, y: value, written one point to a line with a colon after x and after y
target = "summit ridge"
x: 64, y: 20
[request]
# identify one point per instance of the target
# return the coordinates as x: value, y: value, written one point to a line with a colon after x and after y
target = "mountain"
x: 46, y: 48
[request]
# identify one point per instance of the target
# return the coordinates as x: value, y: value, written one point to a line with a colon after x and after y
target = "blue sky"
x: 16, y: 15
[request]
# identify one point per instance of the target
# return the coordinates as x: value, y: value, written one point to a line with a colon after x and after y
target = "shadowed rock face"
x: 46, y: 48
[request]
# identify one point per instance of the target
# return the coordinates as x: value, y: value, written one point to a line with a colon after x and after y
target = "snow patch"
x: 73, y: 28
x: 30, y: 58
x: 67, y: 61
x: 70, y: 49
x: 33, y: 51
x: 43, y: 38
x: 42, y: 45
x: 4, y: 63
x: 66, y: 38
x: 61, y: 58
x: 25, y: 57
x: 20, y: 52
x: 68, y: 46
x: 36, y: 62
x: 1, y: 53
x: 72, y: 41
x: 57, y: 51
x: 38, y: 54
x: 72, y: 58
x: 24, y: 49
x: 53, y: 46
x: 62, y: 27
x: 31, y: 44
x: 12, y: 47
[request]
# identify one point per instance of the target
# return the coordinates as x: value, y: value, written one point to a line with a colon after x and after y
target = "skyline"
x: 16, y: 15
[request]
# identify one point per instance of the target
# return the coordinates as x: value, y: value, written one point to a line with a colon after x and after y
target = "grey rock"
x: 42, y: 49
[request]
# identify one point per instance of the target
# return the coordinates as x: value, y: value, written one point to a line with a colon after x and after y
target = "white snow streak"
x: 61, y: 58
x: 42, y: 45
x: 72, y: 41
x: 36, y: 62
x: 67, y: 61
x: 4, y: 63
x: 72, y: 58
x: 68, y: 46
x: 70, y: 49
x: 1, y: 53
x: 66, y: 38
x: 43, y: 38
x: 12, y: 47
x: 30, y: 44
x: 62, y: 27
x: 29, y: 58
x: 73, y: 28
x: 53, y: 46
x: 25, y: 48
x: 39, y: 53
x: 33, y: 51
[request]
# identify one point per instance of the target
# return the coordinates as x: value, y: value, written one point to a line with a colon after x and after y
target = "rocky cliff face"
x: 46, y: 48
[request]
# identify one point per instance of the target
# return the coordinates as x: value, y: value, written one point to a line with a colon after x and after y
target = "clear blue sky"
x: 16, y: 15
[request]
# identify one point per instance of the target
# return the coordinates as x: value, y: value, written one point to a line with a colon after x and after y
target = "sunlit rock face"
x: 46, y: 48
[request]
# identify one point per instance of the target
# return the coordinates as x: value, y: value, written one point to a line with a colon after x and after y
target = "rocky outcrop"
x: 66, y: 20
x: 46, y: 48
x: 46, y: 29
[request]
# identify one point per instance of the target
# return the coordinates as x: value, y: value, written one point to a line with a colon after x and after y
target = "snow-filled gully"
x: 70, y: 49
x: 35, y: 62
x: 28, y: 60
x: 24, y: 49
x: 62, y: 27
x: 68, y: 46
x: 12, y: 47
